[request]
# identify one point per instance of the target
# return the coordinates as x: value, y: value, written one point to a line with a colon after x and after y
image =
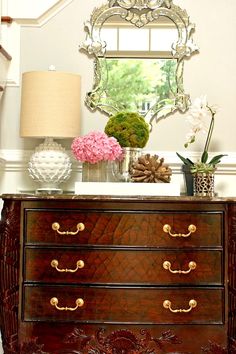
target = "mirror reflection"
x: 137, y: 84
x: 139, y: 47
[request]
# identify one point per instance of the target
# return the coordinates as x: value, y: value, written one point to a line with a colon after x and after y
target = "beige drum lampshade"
x: 50, y: 104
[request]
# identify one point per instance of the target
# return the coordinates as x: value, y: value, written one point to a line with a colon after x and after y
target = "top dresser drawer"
x: 126, y: 228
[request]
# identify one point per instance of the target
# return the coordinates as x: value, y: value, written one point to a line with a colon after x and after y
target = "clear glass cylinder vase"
x: 203, y: 184
x: 102, y: 171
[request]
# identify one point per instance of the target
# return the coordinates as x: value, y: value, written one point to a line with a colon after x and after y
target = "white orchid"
x: 199, y: 115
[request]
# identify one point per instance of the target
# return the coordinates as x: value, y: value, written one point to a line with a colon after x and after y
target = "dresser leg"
x: 9, y: 275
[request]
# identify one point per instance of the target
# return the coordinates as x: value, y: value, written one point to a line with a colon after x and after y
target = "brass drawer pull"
x: 167, y: 265
x: 191, y: 229
x: 56, y: 226
x: 54, y: 301
x: 167, y: 305
x: 79, y: 265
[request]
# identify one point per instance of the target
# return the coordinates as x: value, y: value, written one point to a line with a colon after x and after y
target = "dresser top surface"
x: 134, y: 198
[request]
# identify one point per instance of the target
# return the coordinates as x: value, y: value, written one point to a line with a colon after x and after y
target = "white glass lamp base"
x: 49, y: 166
x: 49, y: 190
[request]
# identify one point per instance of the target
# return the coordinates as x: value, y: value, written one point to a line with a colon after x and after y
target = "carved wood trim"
x: 232, y: 273
x: 32, y: 347
x: 232, y: 346
x: 121, y: 341
x: 9, y: 275
x: 214, y: 348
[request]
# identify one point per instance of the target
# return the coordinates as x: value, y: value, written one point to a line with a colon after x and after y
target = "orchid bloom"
x: 199, y: 115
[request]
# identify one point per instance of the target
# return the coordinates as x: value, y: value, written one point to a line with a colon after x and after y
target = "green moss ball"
x: 129, y: 128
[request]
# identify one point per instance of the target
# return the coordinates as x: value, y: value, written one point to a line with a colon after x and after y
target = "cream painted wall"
x: 211, y: 72
x: 29, y: 8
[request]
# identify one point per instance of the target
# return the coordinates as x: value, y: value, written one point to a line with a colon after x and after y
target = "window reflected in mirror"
x: 121, y: 36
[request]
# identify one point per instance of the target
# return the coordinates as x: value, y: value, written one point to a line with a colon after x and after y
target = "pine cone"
x: 150, y: 169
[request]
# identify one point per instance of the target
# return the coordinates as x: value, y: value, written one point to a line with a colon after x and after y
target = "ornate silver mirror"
x: 139, y: 48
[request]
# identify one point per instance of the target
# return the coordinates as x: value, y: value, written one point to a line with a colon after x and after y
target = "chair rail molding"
x: 17, y: 160
x: 15, y: 177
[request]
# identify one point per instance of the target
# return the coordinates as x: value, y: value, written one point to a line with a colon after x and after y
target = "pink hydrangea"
x: 95, y: 147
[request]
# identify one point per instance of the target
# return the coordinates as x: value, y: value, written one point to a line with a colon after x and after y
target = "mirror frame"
x: 139, y: 13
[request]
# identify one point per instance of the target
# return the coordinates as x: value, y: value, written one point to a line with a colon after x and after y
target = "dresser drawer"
x: 125, y: 305
x: 172, y: 229
x: 123, y: 266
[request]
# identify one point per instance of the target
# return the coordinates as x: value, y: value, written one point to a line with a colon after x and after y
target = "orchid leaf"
x: 216, y: 159
x: 186, y: 161
x: 204, y: 156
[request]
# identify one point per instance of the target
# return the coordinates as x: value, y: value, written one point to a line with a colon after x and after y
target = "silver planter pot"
x: 203, y: 184
x: 124, y: 167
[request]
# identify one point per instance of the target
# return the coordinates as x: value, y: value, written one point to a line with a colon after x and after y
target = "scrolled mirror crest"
x: 156, y: 19
x: 142, y: 4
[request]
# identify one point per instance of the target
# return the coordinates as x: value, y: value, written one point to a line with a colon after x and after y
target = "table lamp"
x: 50, y: 108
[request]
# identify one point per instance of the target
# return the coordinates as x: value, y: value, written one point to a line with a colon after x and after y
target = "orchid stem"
x: 208, y: 139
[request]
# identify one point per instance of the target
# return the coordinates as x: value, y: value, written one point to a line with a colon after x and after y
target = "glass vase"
x: 203, y: 184
x: 102, y: 171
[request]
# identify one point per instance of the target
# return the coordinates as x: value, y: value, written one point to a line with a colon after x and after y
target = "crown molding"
x: 43, y: 18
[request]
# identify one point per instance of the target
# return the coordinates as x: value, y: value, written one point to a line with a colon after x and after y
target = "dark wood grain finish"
x: 126, y: 228
x: 130, y: 225
x: 232, y: 273
x: 9, y: 275
x: 58, y: 338
x: 123, y: 266
x: 125, y: 305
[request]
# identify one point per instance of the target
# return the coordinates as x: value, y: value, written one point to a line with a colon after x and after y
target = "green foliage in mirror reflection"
x: 137, y: 84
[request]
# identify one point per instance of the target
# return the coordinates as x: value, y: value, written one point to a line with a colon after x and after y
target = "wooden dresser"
x: 116, y: 275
